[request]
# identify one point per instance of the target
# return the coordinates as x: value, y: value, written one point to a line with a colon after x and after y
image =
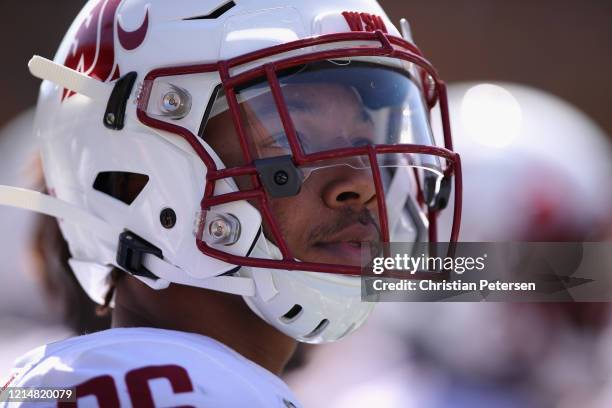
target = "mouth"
x: 347, y: 247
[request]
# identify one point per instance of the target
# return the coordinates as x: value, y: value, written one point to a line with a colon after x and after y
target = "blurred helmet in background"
x: 535, y: 167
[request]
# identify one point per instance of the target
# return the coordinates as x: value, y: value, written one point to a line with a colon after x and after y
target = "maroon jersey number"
x: 103, y: 388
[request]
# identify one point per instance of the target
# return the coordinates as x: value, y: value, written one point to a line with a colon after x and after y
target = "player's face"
x: 336, y: 208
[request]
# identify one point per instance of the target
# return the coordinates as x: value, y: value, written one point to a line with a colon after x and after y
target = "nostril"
x: 347, y: 195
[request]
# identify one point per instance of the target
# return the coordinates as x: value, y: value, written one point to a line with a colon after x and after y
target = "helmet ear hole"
x: 120, y: 185
x: 292, y: 314
x: 318, y: 330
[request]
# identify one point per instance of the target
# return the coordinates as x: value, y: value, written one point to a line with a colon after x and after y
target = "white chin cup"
x: 311, y: 307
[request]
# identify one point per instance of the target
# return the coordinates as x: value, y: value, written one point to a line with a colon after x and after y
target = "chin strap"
x: 69, y: 78
x: 48, y: 205
x: 162, y: 269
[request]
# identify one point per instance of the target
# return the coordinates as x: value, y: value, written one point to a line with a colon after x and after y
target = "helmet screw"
x: 175, y: 102
x: 167, y: 217
x: 110, y: 118
x: 171, y: 101
x: 219, y: 228
x: 281, y: 177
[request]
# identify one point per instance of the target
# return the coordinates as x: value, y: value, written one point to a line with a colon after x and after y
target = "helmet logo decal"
x: 93, y: 46
x: 364, y: 21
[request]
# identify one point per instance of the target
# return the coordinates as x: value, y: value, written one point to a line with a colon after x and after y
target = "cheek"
x: 289, y: 214
x: 296, y: 216
x: 244, y: 183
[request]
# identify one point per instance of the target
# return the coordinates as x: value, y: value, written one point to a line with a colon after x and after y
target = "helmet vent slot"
x: 318, y: 330
x: 218, y: 12
x: 120, y: 185
x: 292, y: 314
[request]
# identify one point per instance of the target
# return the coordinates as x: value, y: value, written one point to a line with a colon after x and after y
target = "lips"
x: 345, y: 247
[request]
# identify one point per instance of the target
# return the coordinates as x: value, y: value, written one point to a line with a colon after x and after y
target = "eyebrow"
x: 301, y: 105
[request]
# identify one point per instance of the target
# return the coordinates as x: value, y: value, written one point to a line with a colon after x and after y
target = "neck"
x: 184, y: 308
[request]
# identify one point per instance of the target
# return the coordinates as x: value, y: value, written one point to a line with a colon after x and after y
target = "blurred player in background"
x: 41, y: 300
x: 539, y: 169
x: 26, y: 318
x: 535, y: 169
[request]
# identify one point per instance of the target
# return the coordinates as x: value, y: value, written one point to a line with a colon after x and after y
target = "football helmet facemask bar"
x: 300, y: 152
x: 359, y: 110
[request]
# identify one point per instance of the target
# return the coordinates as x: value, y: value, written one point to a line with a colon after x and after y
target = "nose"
x: 350, y: 187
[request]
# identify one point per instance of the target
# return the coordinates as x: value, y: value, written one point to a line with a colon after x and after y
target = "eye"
x: 278, y: 140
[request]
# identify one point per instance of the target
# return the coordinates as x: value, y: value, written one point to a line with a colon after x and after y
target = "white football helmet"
x: 535, y: 168
x: 129, y: 104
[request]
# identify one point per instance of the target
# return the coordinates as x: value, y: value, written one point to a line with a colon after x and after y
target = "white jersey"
x: 145, y: 367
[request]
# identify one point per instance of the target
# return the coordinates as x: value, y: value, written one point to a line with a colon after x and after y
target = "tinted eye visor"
x: 334, y: 105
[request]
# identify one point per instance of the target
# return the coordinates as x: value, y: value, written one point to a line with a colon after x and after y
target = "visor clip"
x: 130, y: 252
x: 279, y: 176
x: 438, y: 200
x: 114, y: 116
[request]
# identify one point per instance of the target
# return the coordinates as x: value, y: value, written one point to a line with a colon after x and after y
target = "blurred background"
x: 561, y: 46
x: 533, y: 78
